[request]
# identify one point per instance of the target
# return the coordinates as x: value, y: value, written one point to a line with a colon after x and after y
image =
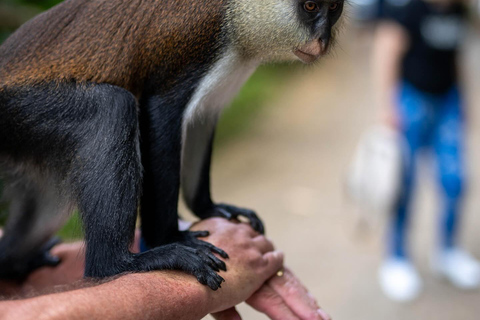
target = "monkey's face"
x: 318, y: 17
x: 274, y: 30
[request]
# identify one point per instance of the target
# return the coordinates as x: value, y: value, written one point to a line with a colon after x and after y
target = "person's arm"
x: 391, y: 42
x: 280, y: 298
x: 167, y: 294
x: 156, y: 295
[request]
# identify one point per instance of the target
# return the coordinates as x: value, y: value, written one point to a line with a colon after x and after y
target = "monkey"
x: 110, y: 107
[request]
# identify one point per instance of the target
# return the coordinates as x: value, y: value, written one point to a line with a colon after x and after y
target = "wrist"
x: 174, y: 288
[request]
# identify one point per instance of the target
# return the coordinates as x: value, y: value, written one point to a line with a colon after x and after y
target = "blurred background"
x: 284, y: 148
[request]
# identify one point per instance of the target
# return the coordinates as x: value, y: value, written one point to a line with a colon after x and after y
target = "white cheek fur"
x: 218, y: 87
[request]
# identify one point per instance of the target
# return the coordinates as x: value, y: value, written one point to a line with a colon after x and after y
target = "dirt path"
x: 290, y: 169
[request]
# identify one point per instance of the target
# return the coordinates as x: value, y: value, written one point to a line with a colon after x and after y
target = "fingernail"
x: 323, y: 314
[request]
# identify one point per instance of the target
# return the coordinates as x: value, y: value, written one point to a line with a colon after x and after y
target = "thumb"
x: 229, y: 314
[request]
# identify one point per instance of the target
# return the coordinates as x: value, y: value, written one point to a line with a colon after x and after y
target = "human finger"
x: 229, y: 314
x: 69, y: 250
x: 218, y: 227
x: 296, y: 296
x: 267, y: 301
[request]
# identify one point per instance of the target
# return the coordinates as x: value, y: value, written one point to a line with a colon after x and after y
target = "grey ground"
x: 290, y: 168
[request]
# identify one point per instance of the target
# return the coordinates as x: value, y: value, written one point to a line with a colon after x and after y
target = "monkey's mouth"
x: 310, y: 51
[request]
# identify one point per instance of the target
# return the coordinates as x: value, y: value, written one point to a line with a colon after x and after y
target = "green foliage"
x: 261, y: 87
x: 42, y: 4
x: 3, y: 35
x: 15, y: 12
x: 72, y: 229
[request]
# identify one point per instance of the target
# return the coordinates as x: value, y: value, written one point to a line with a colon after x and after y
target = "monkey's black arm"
x: 196, y: 163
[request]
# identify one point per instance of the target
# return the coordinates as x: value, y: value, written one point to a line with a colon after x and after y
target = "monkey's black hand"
x: 187, y: 254
x: 231, y: 212
x: 18, y: 270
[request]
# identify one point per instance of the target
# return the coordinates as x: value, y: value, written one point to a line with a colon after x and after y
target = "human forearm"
x: 156, y: 295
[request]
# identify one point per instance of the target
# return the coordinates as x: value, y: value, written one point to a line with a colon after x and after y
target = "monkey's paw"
x: 187, y: 254
x: 44, y: 257
x: 19, y: 269
x: 231, y: 212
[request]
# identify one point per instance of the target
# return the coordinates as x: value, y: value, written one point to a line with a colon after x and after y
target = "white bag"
x: 375, y: 173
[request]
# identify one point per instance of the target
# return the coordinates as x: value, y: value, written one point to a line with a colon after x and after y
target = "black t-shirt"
x: 435, y: 34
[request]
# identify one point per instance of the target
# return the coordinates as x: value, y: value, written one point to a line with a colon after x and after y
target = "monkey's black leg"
x: 196, y: 162
x: 34, y: 215
x: 161, y: 129
x: 161, y: 132
x: 160, y: 125
x: 106, y: 178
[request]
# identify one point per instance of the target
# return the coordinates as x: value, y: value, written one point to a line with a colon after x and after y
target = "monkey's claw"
x: 188, y: 254
x: 200, y: 260
x: 231, y: 212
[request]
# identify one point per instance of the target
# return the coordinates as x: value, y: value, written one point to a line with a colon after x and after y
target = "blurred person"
x: 416, y: 74
x: 253, y: 275
x: 365, y: 11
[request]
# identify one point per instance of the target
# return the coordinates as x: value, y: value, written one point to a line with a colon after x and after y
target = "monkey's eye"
x: 310, y: 6
x: 333, y: 6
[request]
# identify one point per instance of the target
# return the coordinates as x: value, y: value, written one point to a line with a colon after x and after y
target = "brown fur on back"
x: 120, y: 42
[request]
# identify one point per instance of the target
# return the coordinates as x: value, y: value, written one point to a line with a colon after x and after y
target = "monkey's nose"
x: 324, y: 40
x: 310, y: 51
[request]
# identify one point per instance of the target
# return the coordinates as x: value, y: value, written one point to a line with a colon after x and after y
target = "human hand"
x: 281, y: 298
x: 252, y: 261
x: 390, y: 118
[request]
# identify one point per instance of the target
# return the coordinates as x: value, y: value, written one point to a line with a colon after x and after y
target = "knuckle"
x: 244, y: 228
x: 263, y: 240
x: 256, y: 259
x: 244, y: 243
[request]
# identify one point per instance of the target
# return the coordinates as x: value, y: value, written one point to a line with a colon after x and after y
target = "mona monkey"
x: 110, y: 106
